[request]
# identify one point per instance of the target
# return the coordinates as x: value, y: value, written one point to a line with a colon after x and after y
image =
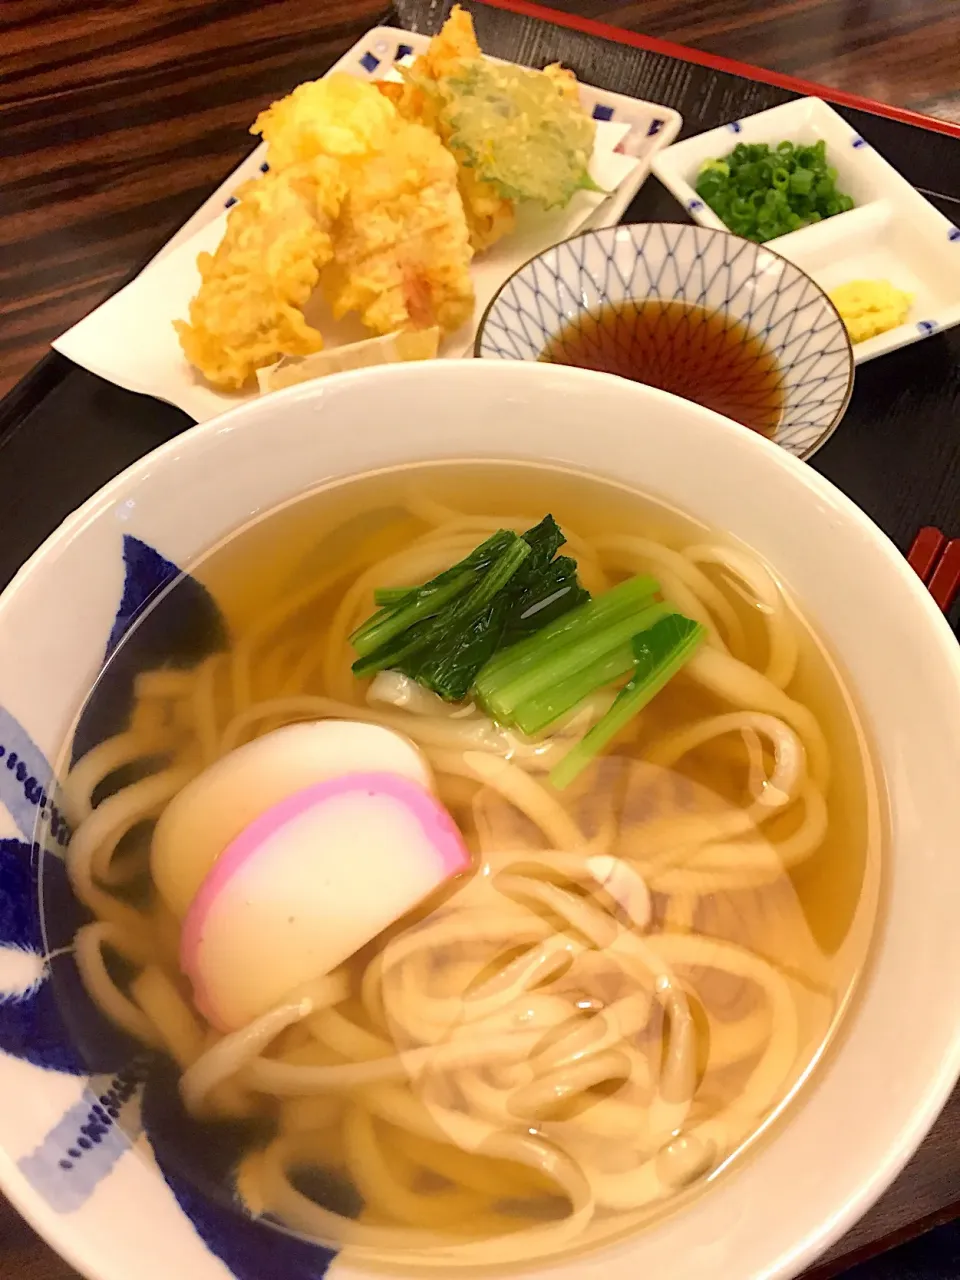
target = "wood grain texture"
x: 117, y: 118
x: 902, y: 52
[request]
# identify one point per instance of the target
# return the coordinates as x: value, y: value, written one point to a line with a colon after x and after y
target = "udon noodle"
x: 633, y: 979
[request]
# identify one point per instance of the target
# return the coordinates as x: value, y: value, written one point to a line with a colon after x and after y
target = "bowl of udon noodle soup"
x: 471, y: 819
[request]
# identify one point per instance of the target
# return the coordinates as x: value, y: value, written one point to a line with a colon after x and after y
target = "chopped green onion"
x: 659, y: 653
x: 761, y: 192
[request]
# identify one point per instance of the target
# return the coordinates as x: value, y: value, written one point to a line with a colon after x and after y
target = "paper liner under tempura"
x: 130, y: 339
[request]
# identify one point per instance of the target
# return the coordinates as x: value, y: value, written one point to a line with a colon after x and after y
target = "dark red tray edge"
x: 653, y: 44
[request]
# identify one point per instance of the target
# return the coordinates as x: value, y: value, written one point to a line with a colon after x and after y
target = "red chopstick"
x: 937, y: 562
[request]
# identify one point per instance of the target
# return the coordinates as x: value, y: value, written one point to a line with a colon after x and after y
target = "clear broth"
x: 815, y: 922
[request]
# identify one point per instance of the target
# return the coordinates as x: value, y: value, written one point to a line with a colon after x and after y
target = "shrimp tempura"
x: 356, y: 199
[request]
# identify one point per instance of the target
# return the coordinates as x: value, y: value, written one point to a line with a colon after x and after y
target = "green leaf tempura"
x: 518, y: 129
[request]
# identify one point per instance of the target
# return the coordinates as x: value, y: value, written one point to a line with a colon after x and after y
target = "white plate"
x: 893, y: 233
x: 129, y: 340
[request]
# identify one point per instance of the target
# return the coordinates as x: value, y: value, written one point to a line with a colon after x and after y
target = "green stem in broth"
x: 556, y: 663
x: 659, y: 653
x: 425, y: 603
x: 594, y: 615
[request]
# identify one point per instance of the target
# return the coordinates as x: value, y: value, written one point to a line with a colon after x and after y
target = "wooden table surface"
x: 117, y: 117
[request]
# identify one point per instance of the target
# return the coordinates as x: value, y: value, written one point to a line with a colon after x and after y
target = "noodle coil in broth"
x: 634, y: 974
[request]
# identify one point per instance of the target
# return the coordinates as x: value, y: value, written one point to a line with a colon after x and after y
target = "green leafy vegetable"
x: 431, y: 651
x: 396, y: 619
x: 761, y: 192
x: 442, y: 633
x: 543, y: 709
x: 392, y: 596
x: 511, y: 623
x: 546, y: 585
x: 557, y: 664
x: 521, y: 130
x: 516, y: 674
x: 424, y: 602
x: 659, y: 652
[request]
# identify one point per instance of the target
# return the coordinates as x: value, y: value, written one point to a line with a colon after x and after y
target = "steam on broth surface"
x: 635, y: 974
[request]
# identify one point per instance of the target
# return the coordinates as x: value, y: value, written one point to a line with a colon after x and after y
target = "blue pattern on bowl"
x: 698, y: 266
x: 32, y: 1025
x: 53, y: 1023
x: 181, y: 628
x: 249, y: 1249
x: 46, y: 1017
x: 85, y: 1144
x: 25, y: 783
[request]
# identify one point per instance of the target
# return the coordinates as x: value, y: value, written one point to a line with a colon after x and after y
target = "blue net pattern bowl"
x: 698, y: 266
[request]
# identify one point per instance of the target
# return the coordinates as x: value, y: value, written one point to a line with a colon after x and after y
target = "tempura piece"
x: 524, y: 132
x: 401, y: 193
x: 350, y: 180
x: 248, y: 311
x: 338, y: 116
x: 455, y: 43
x: 489, y: 215
x: 564, y: 80
x: 402, y: 244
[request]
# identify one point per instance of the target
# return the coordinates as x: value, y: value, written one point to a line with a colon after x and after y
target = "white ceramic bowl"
x: 702, y: 267
x: 64, y: 1159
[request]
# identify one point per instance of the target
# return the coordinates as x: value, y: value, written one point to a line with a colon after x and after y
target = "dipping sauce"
x: 702, y: 355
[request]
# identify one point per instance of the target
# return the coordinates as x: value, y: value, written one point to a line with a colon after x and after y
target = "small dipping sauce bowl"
x: 702, y: 313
